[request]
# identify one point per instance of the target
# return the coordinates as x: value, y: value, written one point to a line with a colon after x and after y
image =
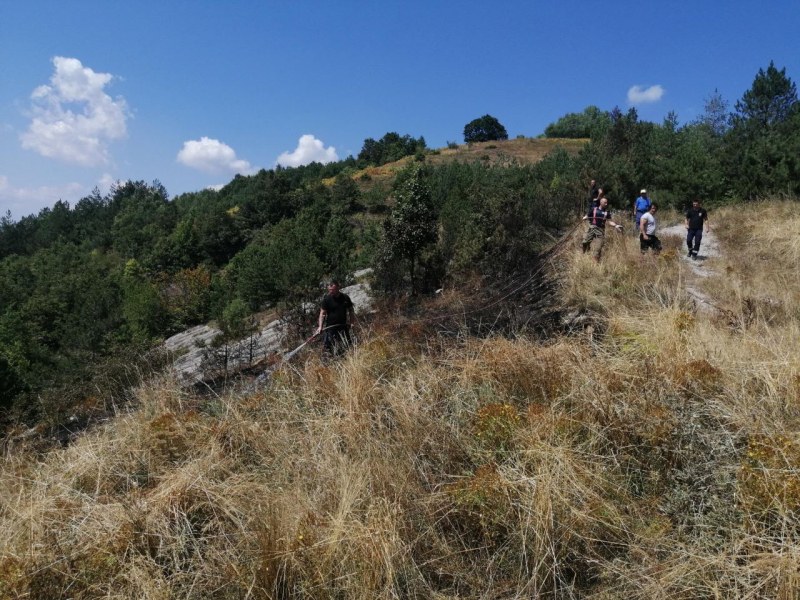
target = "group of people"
x: 337, y: 313
x: 644, y: 222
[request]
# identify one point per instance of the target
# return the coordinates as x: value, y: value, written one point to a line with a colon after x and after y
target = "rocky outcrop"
x: 196, y: 359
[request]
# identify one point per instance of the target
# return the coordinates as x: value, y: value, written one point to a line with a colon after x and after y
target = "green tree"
x: 345, y: 195
x: 144, y: 216
x: 715, y: 117
x: 10, y: 384
x: 230, y: 346
x: 93, y: 220
x: 54, y: 224
x: 410, y: 229
x: 592, y: 122
x: 8, y: 241
x: 22, y: 358
x: 484, y: 129
x: 762, y: 145
x: 620, y: 156
x: 696, y: 169
x: 389, y: 148
x: 771, y: 99
x: 336, y: 247
x: 142, y: 308
x: 236, y: 321
x: 95, y: 306
x: 186, y: 296
x: 281, y: 263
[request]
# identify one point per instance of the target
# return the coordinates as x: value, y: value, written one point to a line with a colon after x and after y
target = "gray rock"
x: 194, y: 357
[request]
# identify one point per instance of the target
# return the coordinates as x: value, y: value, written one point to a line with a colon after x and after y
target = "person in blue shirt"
x: 640, y: 206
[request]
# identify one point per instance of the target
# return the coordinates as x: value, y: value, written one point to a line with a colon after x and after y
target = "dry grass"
x: 759, y: 276
x: 657, y: 457
x: 523, y: 150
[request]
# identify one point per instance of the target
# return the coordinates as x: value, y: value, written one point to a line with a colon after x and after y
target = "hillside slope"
x: 521, y: 150
x: 652, y: 454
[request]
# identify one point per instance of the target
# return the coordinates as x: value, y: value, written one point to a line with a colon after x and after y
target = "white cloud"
x: 25, y: 201
x: 640, y: 95
x: 73, y: 119
x: 105, y: 182
x: 309, y: 149
x: 212, y: 156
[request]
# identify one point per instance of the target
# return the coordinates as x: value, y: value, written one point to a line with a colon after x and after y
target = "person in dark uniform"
x: 696, y: 219
x: 336, y: 315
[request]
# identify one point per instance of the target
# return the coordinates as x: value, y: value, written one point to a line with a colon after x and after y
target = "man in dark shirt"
x: 597, y: 217
x: 696, y: 218
x: 336, y: 315
x: 596, y: 202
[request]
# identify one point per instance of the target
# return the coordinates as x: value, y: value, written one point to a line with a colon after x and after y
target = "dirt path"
x: 701, y: 267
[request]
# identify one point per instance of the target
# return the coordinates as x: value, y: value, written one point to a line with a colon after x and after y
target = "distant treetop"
x: 389, y: 148
x: 484, y: 129
x: 589, y: 123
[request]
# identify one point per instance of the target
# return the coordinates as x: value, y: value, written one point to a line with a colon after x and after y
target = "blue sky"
x: 190, y: 93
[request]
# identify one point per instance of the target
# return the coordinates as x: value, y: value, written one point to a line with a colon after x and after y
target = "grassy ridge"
x: 653, y: 454
x: 521, y: 150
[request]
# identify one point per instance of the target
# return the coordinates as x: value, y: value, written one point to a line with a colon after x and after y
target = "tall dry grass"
x: 653, y: 455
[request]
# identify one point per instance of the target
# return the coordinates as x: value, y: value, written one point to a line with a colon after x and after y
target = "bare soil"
x: 701, y: 267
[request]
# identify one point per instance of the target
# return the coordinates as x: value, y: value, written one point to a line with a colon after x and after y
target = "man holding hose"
x: 336, y: 315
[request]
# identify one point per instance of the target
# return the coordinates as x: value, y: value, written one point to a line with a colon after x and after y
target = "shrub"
x: 769, y: 478
x: 495, y: 425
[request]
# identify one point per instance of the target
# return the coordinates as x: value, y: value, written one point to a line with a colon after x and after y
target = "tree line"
x: 723, y: 155
x: 86, y: 289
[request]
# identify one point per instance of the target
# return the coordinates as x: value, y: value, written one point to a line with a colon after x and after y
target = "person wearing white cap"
x: 640, y: 206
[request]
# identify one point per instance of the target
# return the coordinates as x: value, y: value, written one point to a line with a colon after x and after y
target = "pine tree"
x: 411, y: 227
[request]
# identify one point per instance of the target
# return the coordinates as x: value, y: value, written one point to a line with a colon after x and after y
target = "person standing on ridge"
x: 597, y: 217
x: 696, y: 218
x: 596, y: 202
x: 336, y: 315
x: 647, y: 231
x: 640, y: 206
x: 593, y: 190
